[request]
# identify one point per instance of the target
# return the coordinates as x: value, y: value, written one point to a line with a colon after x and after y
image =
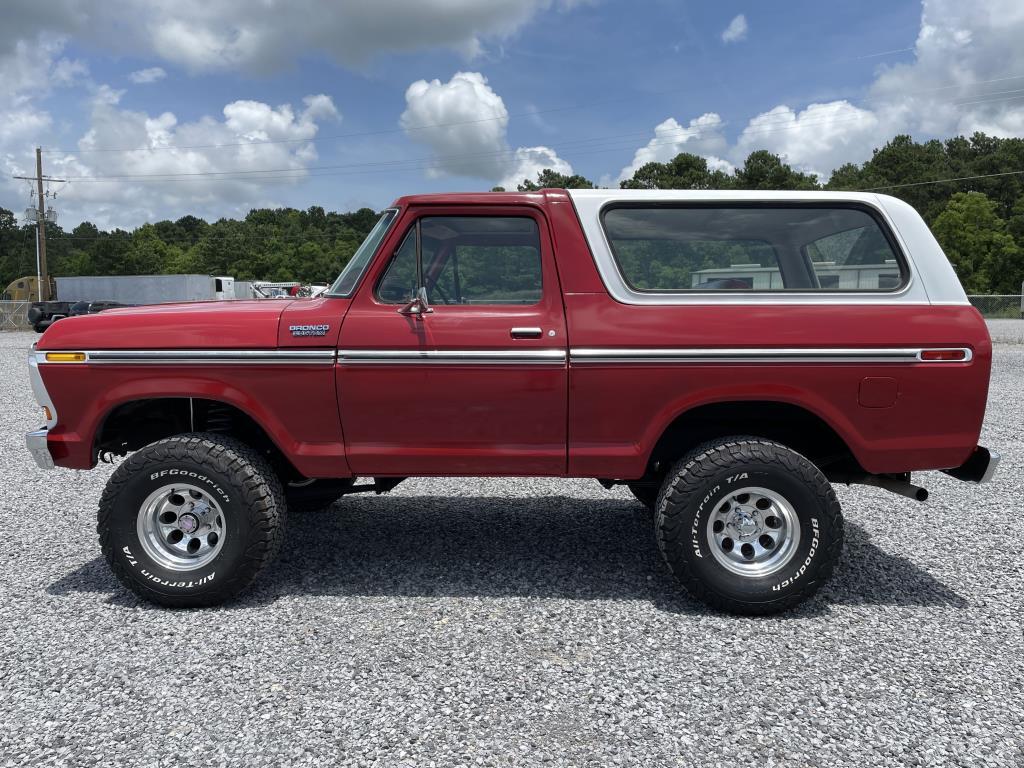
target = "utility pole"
x: 41, y: 229
x: 41, y: 217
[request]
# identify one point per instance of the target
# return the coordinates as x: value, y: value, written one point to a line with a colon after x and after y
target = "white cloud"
x: 31, y: 69
x: 527, y: 162
x: 703, y: 136
x: 817, y: 139
x: 190, y: 155
x: 201, y: 35
x: 966, y: 76
x: 736, y: 31
x: 148, y: 75
x: 464, y: 123
x: 959, y: 45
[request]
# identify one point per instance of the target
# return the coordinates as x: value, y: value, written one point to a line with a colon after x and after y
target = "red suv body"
x: 603, y: 334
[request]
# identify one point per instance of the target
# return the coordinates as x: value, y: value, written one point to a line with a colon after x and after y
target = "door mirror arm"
x: 419, y: 306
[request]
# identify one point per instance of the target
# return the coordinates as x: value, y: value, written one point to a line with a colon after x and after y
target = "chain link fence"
x: 14, y: 316
x: 999, y: 306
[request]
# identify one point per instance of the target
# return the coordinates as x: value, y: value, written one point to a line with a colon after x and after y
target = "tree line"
x: 978, y: 221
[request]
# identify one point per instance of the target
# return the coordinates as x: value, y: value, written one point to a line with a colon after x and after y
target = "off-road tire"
x: 319, y: 494
x: 703, y: 479
x: 247, y: 490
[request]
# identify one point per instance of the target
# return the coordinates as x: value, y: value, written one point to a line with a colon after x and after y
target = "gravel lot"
x: 516, y: 622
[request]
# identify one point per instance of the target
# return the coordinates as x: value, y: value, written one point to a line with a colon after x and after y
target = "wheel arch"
x: 133, y: 423
x: 792, y: 424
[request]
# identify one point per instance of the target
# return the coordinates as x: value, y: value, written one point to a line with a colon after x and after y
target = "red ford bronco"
x: 725, y: 355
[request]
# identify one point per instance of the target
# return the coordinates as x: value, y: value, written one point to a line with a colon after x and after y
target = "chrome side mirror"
x: 419, y: 306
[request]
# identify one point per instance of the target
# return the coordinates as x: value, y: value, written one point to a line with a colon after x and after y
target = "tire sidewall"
x: 809, y: 561
x: 127, y: 550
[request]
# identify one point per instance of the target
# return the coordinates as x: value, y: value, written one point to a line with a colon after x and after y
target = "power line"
x: 359, y: 134
x: 405, y: 129
x: 665, y: 138
x: 774, y: 124
x: 942, y: 181
x: 128, y: 236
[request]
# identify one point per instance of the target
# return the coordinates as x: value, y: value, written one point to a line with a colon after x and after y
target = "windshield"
x: 357, y: 264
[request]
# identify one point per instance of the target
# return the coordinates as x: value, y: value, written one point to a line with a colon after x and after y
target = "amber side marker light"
x: 65, y: 357
x: 47, y: 414
x: 943, y: 354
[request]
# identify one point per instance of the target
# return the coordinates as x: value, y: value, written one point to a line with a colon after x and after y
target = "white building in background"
x: 850, y: 277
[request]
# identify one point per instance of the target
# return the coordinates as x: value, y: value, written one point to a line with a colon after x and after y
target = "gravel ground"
x: 516, y: 622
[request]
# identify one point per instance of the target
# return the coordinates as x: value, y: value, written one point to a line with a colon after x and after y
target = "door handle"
x: 526, y: 333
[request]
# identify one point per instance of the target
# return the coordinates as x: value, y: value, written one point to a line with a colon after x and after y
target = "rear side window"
x: 662, y: 249
x: 469, y: 260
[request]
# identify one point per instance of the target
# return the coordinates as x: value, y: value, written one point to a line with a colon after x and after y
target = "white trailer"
x: 145, y: 289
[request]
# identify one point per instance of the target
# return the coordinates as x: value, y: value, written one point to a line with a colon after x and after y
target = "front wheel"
x: 749, y: 526
x: 191, y: 520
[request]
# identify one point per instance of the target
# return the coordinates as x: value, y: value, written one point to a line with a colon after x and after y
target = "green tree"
x: 763, y: 170
x: 976, y: 240
x: 684, y: 171
x: 549, y: 179
x: 148, y: 254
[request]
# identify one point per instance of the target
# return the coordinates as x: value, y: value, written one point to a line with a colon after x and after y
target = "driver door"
x: 476, y: 383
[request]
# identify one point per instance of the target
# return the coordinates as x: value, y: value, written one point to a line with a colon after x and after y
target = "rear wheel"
x: 191, y: 520
x: 749, y: 526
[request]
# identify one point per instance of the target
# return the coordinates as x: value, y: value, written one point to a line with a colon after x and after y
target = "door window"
x: 474, y: 260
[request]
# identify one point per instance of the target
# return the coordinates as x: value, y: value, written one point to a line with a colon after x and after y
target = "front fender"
x: 295, y: 405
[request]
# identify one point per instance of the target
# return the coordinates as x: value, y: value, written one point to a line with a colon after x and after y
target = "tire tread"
x: 687, y: 478
x: 261, y: 494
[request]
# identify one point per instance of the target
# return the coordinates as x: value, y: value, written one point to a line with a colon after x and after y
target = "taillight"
x: 944, y: 355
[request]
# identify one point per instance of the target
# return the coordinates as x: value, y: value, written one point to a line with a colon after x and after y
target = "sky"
x: 156, y: 109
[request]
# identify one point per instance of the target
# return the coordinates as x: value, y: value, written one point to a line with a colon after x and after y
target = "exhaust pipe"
x: 895, y: 485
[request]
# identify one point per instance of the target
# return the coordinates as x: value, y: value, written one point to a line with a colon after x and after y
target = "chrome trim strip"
x: 579, y: 355
x: 591, y: 355
x: 451, y: 357
x: 202, y: 357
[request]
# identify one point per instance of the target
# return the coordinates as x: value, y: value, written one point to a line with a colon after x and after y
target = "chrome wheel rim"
x: 753, y: 532
x: 181, y: 527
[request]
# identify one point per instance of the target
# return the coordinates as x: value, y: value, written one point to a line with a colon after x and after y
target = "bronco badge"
x: 310, y: 330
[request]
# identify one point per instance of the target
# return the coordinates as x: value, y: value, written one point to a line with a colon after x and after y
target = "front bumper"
x: 36, y: 443
x: 979, y: 468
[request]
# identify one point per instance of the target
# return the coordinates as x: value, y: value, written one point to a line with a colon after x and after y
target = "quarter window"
x: 752, y: 248
x: 468, y: 260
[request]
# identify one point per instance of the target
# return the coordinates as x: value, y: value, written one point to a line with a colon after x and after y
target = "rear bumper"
x: 36, y: 443
x: 979, y: 468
